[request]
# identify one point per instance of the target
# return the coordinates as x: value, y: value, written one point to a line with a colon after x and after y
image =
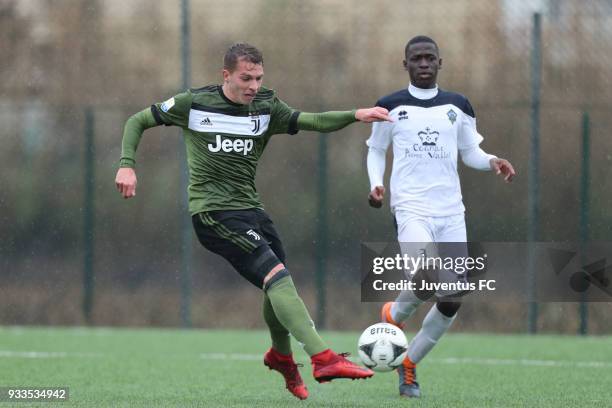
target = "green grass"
x: 176, y: 368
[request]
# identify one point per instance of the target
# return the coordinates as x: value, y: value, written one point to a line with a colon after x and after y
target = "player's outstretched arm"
x: 336, y: 120
x: 125, y: 180
x: 476, y: 158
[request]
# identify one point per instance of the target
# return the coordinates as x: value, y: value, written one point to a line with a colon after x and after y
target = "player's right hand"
x: 126, y: 182
x: 375, y: 198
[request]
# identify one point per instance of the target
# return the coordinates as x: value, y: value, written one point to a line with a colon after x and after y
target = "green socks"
x: 281, y: 341
x: 291, y: 314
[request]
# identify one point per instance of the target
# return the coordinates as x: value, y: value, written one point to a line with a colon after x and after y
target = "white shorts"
x: 419, y: 235
x: 418, y: 228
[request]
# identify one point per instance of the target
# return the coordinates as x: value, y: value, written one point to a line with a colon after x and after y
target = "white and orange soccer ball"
x: 382, y: 347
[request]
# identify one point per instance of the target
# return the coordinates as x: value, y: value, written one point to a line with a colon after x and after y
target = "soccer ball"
x: 382, y: 347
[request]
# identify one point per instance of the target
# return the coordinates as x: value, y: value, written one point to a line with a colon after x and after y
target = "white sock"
x: 434, y: 326
x: 404, y: 306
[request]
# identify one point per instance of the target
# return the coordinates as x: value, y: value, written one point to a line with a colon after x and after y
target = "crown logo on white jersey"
x: 428, y: 137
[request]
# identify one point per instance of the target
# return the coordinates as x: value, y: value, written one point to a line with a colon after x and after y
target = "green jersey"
x: 224, y: 140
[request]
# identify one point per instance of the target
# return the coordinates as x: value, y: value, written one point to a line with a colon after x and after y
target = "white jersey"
x: 430, y: 126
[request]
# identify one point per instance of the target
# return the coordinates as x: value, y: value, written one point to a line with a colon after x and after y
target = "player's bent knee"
x: 267, y: 267
x: 448, y: 308
x: 276, y: 274
x: 275, y: 270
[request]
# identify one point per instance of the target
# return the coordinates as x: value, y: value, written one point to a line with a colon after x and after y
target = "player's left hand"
x: 503, y: 166
x: 375, y: 114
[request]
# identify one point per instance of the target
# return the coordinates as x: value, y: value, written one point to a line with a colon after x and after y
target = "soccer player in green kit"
x: 227, y: 128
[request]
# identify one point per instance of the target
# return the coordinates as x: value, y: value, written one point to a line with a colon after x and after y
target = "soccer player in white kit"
x: 431, y: 126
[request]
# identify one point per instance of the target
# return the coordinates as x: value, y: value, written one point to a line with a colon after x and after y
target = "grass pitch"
x: 200, y: 368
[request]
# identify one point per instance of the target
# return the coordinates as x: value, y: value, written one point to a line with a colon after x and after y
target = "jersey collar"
x: 225, y: 98
x: 421, y: 93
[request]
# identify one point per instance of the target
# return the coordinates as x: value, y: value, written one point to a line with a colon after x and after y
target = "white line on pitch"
x: 258, y: 357
x: 522, y: 362
x: 231, y: 356
x: 44, y: 354
x: 448, y: 360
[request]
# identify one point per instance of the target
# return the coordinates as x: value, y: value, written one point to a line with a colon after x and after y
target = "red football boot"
x: 285, y: 365
x: 328, y: 365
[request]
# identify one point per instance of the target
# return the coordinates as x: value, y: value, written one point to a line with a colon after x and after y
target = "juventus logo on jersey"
x: 256, y: 125
x: 254, y: 235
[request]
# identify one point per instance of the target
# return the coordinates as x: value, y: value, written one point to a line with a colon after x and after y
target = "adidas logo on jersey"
x: 243, y: 146
x: 403, y: 115
x: 206, y: 122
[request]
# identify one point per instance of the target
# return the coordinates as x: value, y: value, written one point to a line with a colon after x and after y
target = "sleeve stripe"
x: 293, y: 128
x: 156, y: 115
